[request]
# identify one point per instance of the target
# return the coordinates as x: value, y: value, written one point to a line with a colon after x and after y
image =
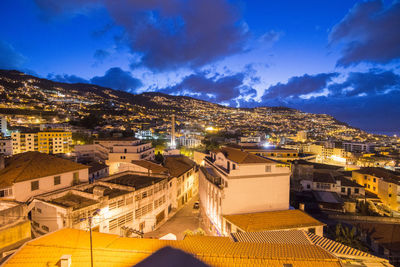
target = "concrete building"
x: 29, y: 174
x: 91, y: 152
x: 15, y: 227
x: 44, y: 142
x: 123, y: 204
x: 382, y: 182
x: 237, y: 182
x: 359, y: 147
x: 122, y: 151
x: 6, y: 146
x: 3, y: 126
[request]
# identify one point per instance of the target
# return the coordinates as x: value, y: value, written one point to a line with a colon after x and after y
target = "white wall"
x: 22, y: 190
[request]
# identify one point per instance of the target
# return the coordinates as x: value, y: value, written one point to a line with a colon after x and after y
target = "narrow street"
x: 186, y: 218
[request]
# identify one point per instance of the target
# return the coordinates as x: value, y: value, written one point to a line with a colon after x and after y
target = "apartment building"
x: 183, y: 180
x: 382, y: 182
x: 359, y: 147
x: 45, y: 142
x: 29, y: 174
x: 3, y: 126
x: 124, y: 204
x: 281, y: 154
x: 237, y: 182
x: 122, y: 151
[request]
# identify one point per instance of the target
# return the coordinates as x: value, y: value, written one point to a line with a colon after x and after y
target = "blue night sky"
x: 334, y: 57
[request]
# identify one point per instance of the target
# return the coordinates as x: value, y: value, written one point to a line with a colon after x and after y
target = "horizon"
x: 340, y: 59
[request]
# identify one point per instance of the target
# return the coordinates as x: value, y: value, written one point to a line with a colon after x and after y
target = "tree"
x: 197, y: 232
x: 349, y: 237
x: 159, y: 157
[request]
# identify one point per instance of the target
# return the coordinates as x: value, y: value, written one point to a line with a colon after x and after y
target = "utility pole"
x: 91, y: 246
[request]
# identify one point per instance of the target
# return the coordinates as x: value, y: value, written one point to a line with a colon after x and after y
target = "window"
x: 311, y: 230
x: 343, y: 190
x: 76, y: 177
x: 390, y: 195
x: 308, y: 186
x: 44, y: 227
x: 268, y: 168
x: 369, y: 186
x: 123, y: 157
x: 34, y: 185
x: 233, y: 166
x: 356, y: 191
x: 374, y: 180
x: 228, y: 228
x: 57, y: 180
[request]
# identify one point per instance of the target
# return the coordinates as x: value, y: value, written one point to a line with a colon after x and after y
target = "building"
x: 3, y: 126
x: 45, y: 142
x: 147, y: 167
x: 301, y: 136
x: 91, y: 152
x: 280, y: 154
x: 183, y: 180
x: 271, y: 221
x: 189, y: 141
x: 359, y: 147
x: 29, y: 174
x: 122, y: 151
x: 124, y: 203
x: 15, y: 227
x: 382, y: 182
x: 97, y: 170
x: 6, y: 146
x: 231, y: 176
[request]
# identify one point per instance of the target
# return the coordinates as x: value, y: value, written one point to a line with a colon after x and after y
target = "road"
x: 186, y: 218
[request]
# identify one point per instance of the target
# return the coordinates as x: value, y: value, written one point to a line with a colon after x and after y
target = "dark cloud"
x: 224, y: 89
x: 299, y: 85
x: 117, y: 79
x: 369, y: 32
x: 171, y: 34
x: 65, y: 78
x: 373, y: 82
x: 9, y: 57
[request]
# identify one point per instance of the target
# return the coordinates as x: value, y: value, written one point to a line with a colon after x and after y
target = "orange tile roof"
x: 112, y: 250
x: 272, y: 220
x: 31, y: 165
x: 242, y: 157
x: 155, y: 168
x: 178, y: 165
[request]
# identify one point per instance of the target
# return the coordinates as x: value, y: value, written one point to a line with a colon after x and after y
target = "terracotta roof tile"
x: 155, y: 168
x: 31, y: 165
x: 242, y: 157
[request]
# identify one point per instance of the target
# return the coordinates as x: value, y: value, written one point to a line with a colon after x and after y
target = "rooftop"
x: 96, y: 166
x: 178, y: 165
x: 272, y: 220
x: 261, y: 148
x: 136, y: 181
x: 71, y: 200
x: 386, y: 175
x: 322, y: 177
x: 31, y: 165
x: 241, y: 157
x: 153, y: 167
x: 113, y: 250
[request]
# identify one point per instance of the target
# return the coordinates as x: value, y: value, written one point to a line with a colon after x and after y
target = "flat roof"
x: 242, y: 157
x: 113, y: 250
x: 71, y: 200
x: 136, y: 181
x: 272, y: 220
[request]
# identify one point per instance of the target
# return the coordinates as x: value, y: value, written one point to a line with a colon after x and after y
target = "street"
x: 184, y: 219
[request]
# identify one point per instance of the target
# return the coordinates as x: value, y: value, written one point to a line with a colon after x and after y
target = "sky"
x: 340, y: 58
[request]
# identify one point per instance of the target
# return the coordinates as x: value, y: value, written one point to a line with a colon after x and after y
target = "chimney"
x: 2, y: 162
x: 65, y: 261
x: 301, y: 206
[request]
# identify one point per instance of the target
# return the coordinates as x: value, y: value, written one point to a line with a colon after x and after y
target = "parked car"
x: 196, y: 205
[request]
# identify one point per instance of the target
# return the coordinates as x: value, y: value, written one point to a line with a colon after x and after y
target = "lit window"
x: 34, y: 185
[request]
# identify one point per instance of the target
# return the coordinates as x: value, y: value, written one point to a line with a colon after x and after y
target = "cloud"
x: 170, y: 34
x: 9, y: 57
x: 369, y: 33
x: 66, y: 78
x: 299, y: 85
x: 100, y: 55
x: 117, y: 79
x: 222, y: 89
x: 373, y: 82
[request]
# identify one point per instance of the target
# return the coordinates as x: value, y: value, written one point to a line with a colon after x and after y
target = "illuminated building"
x: 237, y: 182
x: 382, y: 182
x: 3, y: 126
x: 124, y: 202
x: 44, y: 142
x: 6, y: 146
x: 33, y: 173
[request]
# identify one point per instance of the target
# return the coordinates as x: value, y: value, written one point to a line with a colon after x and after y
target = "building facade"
x: 44, y: 142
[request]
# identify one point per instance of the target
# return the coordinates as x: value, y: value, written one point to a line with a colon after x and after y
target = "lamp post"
x: 90, y: 218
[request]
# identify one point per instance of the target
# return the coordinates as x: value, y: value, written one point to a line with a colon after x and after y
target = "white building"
x: 30, y: 174
x: 236, y: 182
x: 6, y: 147
x: 359, y: 147
x: 3, y: 125
x: 91, y: 152
x: 122, y: 204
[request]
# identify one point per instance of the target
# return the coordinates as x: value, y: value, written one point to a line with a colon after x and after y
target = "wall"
x: 15, y: 233
x: 22, y: 191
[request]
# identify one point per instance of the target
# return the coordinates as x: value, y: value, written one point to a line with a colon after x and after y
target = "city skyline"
x: 336, y: 58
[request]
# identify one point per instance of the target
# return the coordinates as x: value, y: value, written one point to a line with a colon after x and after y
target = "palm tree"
x: 349, y: 237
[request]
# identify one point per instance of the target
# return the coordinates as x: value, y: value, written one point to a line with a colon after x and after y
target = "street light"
x: 90, y: 218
